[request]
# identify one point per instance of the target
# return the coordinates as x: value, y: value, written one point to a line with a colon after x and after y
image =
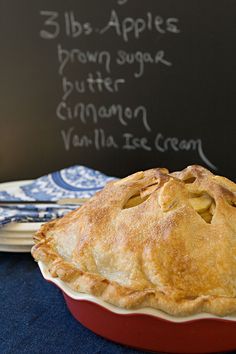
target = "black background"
x: 194, y: 98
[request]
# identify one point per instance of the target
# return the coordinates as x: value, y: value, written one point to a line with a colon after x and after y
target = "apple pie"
x: 153, y: 239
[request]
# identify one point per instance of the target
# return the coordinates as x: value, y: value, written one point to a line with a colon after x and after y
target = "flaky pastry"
x: 157, y: 239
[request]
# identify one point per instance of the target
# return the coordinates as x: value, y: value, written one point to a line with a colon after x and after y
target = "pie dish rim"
x: 149, y: 311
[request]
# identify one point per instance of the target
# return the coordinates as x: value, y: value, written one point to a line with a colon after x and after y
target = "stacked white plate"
x: 17, y: 237
x: 73, y: 182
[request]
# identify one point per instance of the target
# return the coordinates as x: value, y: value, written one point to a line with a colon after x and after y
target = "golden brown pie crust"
x: 158, y: 239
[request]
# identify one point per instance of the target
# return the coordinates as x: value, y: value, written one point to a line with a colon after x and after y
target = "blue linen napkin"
x: 72, y: 182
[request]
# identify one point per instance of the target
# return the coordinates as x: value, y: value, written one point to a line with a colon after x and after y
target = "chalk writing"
x: 131, y: 27
x: 66, y: 57
x: 133, y: 142
x: 126, y: 28
x: 94, y: 83
x: 74, y: 28
x: 90, y: 113
x: 163, y: 144
x: 141, y: 58
x: 122, y: 2
x: 53, y: 28
x: 87, y: 75
x: 103, y: 58
x: 97, y: 139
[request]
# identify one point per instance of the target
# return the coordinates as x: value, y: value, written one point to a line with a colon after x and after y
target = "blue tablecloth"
x: 34, y: 318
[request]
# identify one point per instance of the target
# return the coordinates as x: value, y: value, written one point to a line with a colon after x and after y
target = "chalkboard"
x: 117, y: 85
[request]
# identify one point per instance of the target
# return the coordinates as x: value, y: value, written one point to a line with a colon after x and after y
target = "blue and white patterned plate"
x: 73, y: 182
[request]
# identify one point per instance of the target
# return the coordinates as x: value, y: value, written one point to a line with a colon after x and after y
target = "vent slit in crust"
x: 204, y: 205
x: 190, y: 180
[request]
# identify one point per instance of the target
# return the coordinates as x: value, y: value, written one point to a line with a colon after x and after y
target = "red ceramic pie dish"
x: 149, y: 329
